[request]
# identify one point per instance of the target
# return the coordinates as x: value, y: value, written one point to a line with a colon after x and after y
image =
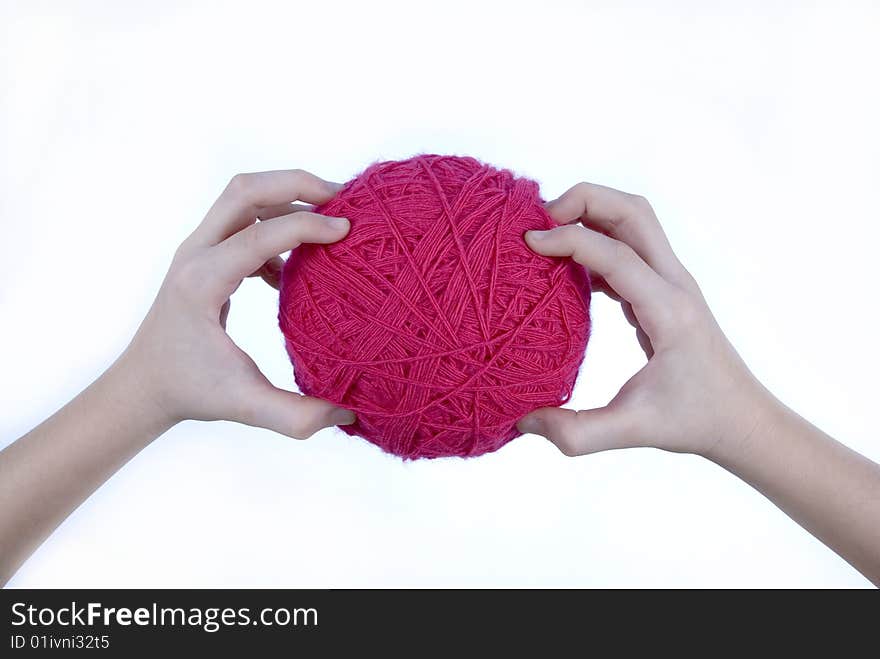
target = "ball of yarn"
x: 432, y: 320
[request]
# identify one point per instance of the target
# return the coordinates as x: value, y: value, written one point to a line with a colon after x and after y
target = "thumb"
x: 580, y: 432
x: 293, y: 414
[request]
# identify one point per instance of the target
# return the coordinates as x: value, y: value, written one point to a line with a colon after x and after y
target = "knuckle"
x: 568, y: 232
x: 308, y: 421
x: 187, y: 275
x: 240, y: 185
x: 582, y: 189
x: 305, y: 427
x: 640, y: 204
x: 568, y: 439
x: 566, y: 446
x: 298, y: 179
x: 183, y: 251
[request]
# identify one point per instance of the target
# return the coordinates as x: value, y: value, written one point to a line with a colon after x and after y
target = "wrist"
x: 128, y: 385
x: 749, y: 425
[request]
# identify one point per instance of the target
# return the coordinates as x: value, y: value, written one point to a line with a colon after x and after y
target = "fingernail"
x: 537, y: 235
x: 342, y: 417
x: 338, y: 223
x: 531, y: 424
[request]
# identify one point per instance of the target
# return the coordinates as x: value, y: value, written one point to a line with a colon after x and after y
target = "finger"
x: 239, y: 204
x: 247, y: 251
x: 623, y: 270
x: 598, y: 284
x: 271, y: 272
x: 644, y: 342
x: 276, y: 263
x: 629, y: 314
x: 292, y: 414
x: 274, y: 280
x: 641, y: 337
x: 626, y: 217
x: 268, y: 212
x: 579, y: 433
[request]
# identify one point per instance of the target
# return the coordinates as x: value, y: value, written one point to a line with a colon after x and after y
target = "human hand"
x: 185, y: 360
x: 695, y: 394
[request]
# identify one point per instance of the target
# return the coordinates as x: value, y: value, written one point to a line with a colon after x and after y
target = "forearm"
x: 50, y: 471
x: 180, y: 365
x: 827, y: 488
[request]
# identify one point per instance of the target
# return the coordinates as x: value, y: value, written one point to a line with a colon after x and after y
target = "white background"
x: 751, y: 126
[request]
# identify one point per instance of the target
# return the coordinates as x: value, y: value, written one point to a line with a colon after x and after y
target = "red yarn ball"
x: 432, y: 320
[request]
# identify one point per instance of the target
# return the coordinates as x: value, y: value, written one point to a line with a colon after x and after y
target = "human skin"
x: 695, y: 395
x: 180, y: 364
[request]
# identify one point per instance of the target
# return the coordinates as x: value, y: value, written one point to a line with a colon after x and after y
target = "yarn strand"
x: 432, y: 320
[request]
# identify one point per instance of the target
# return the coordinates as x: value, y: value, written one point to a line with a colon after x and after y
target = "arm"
x: 181, y: 364
x: 695, y: 394
x: 829, y: 489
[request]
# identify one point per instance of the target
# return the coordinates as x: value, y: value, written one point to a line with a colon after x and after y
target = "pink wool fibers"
x: 432, y: 320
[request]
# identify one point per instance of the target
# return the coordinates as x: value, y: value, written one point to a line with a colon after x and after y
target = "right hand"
x: 695, y: 394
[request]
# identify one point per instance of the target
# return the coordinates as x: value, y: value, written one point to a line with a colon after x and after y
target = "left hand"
x: 182, y: 355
